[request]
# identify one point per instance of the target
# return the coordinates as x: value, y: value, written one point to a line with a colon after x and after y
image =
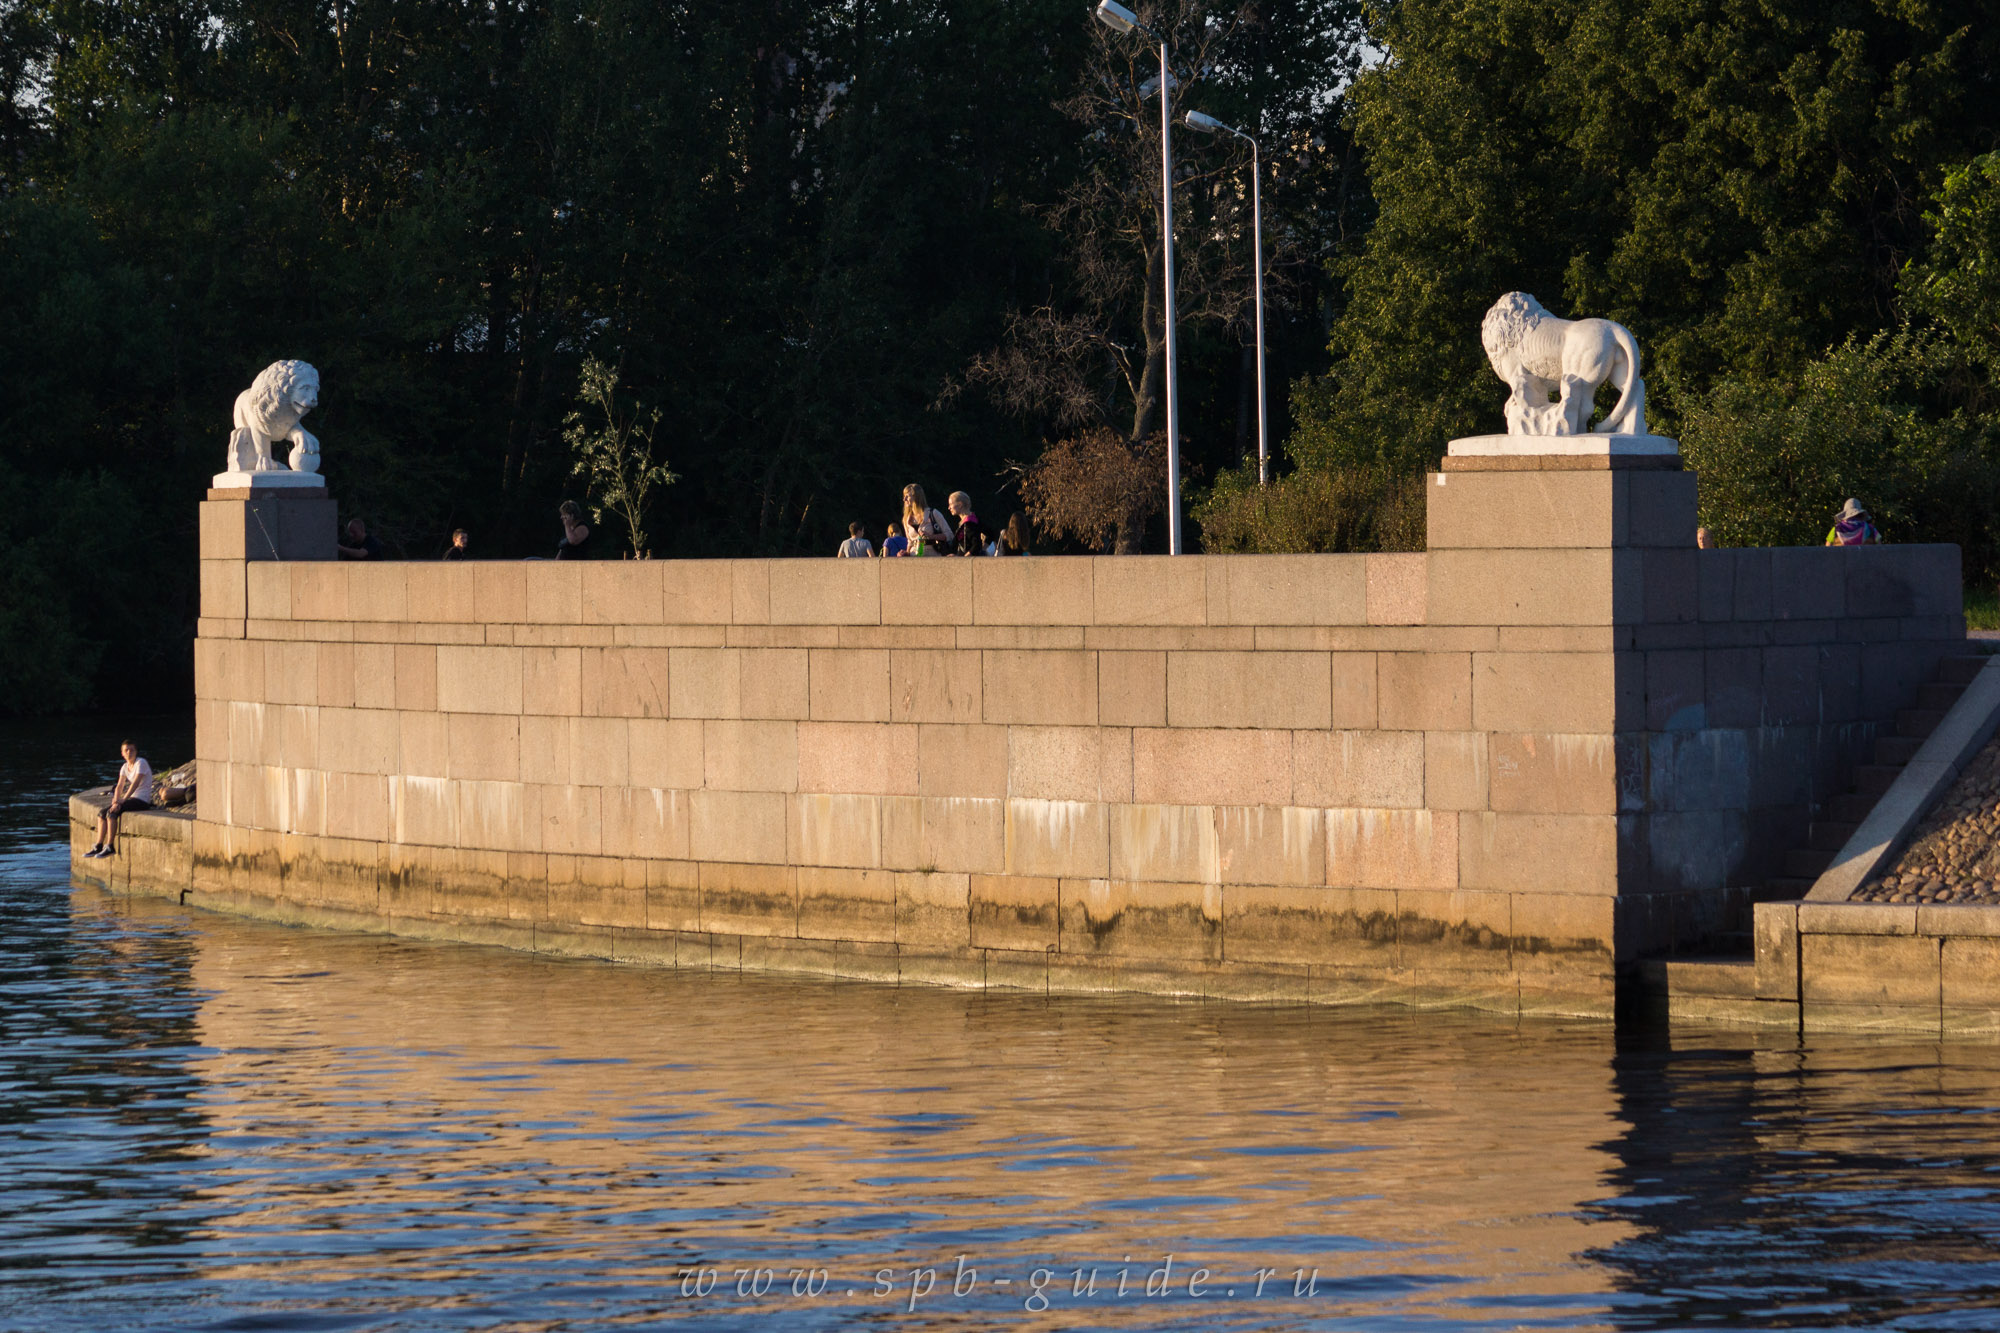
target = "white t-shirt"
x: 857, y: 547
x: 138, y: 775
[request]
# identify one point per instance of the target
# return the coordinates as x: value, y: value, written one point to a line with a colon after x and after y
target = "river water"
x: 208, y: 1123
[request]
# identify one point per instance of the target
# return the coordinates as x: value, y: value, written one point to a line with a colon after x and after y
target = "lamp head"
x: 1115, y: 16
x: 1207, y: 124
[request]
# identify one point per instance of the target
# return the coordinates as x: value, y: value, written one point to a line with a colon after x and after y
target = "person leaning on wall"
x: 358, y: 545
x: 575, y: 543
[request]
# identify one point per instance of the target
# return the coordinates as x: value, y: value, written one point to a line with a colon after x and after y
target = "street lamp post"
x: 1120, y: 19
x: 1210, y: 125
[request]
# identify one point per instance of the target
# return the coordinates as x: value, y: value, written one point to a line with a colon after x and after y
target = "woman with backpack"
x: 925, y: 527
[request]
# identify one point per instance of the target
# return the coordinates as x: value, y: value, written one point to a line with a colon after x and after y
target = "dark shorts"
x: 130, y: 803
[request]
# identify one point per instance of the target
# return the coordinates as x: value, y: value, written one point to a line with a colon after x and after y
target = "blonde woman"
x: 925, y: 527
x: 971, y: 537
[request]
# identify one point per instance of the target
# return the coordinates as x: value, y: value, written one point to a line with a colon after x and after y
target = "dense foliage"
x: 1741, y: 185
x: 841, y: 246
x: 791, y: 227
x: 1777, y: 458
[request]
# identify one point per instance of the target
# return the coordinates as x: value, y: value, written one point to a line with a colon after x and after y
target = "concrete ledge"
x: 1898, y: 920
x: 1857, y: 918
x: 1831, y: 1018
x: 163, y: 825
x: 624, y: 911
x: 1928, y: 776
x: 1733, y: 1011
x: 1846, y: 967
x: 1969, y: 921
x: 1734, y: 978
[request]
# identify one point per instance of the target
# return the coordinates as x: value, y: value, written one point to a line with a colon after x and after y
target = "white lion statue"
x: 268, y: 411
x: 1539, y: 356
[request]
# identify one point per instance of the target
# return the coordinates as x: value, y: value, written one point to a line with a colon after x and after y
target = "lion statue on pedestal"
x: 1540, y: 356
x: 268, y: 411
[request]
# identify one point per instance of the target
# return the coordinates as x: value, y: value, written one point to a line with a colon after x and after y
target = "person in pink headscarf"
x: 1852, y: 527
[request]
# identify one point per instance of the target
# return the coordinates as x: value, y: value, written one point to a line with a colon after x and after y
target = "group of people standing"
x: 922, y: 530
x: 354, y: 543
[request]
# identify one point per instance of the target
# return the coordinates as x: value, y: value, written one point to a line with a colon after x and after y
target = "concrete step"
x: 1808, y: 862
x: 1787, y: 888
x: 1708, y: 975
x: 1939, y: 695
x: 1960, y: 670
x: 1830, y: 834
x: 1897, y: 750
x: 1918, y: 722
x: 1850, y: 808
x: 1874, y: 779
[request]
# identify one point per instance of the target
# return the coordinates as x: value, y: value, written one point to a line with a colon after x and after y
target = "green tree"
x: 1957, y: 282
x: 1870, y: 419
x: 793, y: 221
x: 1741, y: 185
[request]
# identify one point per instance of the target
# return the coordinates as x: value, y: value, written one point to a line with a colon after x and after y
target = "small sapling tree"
x: 614, y: 459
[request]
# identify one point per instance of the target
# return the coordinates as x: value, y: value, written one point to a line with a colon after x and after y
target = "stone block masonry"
x: 1491, y: 774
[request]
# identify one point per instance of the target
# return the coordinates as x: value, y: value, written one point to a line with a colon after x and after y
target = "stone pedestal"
x: 293, y: 523
x: 1564, y: 446
x: 1504, y: 502
x: 242, y: 485
x: 241, y: 525
x: 1570, y: 562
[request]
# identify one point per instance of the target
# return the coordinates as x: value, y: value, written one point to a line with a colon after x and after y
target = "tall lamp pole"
x: 1120, y: 19
x: 1210, y: 125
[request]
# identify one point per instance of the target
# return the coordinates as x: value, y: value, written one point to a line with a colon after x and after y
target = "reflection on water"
x: 209, y: 1123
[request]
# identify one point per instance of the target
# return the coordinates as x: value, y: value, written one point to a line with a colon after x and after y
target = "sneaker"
x: 93, y: 853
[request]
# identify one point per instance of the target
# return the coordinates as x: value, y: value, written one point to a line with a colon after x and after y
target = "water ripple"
x: 214, y: 1124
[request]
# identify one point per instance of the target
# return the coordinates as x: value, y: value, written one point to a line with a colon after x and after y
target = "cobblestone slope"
x: 1954, y: 856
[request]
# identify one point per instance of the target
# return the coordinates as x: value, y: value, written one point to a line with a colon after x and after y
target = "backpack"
x: 933, y: 535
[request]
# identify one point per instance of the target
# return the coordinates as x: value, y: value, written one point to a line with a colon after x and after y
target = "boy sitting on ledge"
x: 133, y: 792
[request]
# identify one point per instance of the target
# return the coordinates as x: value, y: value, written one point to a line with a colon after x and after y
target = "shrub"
x: 1869, y: 419
x: 1097, y: 488
x: 1344, y: 509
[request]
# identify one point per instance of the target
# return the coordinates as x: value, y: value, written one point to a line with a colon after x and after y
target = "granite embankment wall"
x: 1488, y: 774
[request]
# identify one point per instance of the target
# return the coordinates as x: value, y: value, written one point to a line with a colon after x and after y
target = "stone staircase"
x: 1728, y: 966
x: 1839, y: 817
